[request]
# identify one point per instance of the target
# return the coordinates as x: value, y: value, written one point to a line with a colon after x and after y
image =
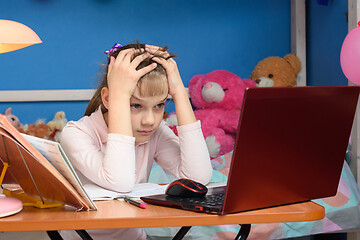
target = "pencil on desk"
x: 135, y: 203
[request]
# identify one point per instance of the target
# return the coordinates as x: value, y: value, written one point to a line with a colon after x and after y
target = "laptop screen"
x: 290, y: 145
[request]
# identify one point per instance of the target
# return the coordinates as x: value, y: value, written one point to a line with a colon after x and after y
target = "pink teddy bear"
x: 217, y: 98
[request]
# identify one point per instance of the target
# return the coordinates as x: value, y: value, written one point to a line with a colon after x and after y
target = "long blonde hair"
x: 153, y: 83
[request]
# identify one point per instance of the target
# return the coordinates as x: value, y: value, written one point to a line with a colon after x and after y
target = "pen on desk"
x: 136, y: 203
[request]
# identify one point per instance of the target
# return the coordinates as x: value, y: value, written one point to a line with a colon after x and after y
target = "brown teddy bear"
x: 277, y: 71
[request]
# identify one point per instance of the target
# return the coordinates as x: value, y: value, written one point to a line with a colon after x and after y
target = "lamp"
x: 13, y: 36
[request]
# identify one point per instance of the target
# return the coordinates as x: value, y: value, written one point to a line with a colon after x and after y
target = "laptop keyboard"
x: 208, y: 200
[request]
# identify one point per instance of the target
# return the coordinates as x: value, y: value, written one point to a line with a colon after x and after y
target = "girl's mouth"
x: 145, y: 132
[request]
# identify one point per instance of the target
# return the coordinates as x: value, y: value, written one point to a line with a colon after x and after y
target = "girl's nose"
x: 148, y: 118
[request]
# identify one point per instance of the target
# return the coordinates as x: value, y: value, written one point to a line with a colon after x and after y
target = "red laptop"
x: 290, y: 147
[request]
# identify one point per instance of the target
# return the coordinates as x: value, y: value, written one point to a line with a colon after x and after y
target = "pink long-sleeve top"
x: 112, y: 161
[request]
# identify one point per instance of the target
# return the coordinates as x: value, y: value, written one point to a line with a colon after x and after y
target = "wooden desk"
x: 117, y: 214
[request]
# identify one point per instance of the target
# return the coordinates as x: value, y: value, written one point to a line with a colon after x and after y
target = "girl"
x: 122, y: 132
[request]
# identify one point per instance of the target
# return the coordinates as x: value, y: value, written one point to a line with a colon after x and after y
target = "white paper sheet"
x: 141, y: 189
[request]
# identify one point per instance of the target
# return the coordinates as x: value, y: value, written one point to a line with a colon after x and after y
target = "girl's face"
x: 146, y: 115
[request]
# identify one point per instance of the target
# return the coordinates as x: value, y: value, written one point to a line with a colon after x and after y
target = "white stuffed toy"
x: 56, y: 125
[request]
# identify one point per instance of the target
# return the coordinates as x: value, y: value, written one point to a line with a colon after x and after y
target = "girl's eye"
x: 160, y: 105
x: 135, y: 106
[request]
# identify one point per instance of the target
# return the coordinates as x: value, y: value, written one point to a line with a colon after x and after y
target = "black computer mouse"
x: 186, y: 188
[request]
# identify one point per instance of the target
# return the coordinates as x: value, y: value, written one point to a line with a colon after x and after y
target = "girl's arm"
x: 186, y: 156
x: 110, y: 165
x: 184, y: 112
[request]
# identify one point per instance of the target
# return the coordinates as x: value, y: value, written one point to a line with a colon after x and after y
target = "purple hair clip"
x: 112, y: 50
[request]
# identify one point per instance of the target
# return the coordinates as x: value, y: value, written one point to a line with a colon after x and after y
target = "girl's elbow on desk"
x: 208, y: 173
x: 208, y: 176
x: 120, y: 185
x: 202, y: 175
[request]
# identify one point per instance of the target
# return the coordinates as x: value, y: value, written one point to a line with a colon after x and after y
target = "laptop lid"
x: 290, y: 145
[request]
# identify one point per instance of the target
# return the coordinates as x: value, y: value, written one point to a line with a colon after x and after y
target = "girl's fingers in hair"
x: 127, y: 54
x: 173, y: 75
x: 138, y: 59
x: 163, y: 62
x: 141, y: 72
x: 120, y: 57
x: 156, y: 50
x: 151, y: 48
x: 159, y: 59
x: 129, y: 58
x: 169, y: 65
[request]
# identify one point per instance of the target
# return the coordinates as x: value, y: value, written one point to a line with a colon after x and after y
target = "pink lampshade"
x: 14, y: 36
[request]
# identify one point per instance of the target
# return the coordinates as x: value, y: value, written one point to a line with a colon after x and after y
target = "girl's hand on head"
x: 122, y: 75
x: 175, y: 83
x: 184, y: 112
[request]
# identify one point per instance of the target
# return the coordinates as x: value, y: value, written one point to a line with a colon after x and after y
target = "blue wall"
x: 205, y: 34
x: 326, y: 30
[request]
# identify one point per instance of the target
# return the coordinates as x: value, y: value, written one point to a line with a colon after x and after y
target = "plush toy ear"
x: 8, y: 111
x: 194, y: 80
x: 294, y: 62
x: 192, y: 83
